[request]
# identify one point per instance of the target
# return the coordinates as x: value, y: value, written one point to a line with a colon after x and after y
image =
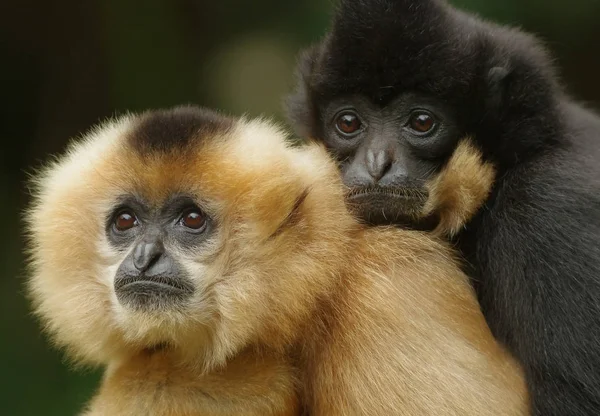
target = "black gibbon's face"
x: 151, y: 276
x: 388, y: 154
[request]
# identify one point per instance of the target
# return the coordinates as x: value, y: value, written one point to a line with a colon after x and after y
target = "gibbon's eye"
x: 125, y: 221
x: 421, y: 122
x: 348, y: 124
x: 193, y: 219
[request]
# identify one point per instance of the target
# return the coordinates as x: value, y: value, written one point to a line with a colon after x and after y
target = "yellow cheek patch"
x: 460, y: 189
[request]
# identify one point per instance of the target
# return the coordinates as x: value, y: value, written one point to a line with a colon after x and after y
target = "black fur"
x: 535, y: 246
x: 180, y: 127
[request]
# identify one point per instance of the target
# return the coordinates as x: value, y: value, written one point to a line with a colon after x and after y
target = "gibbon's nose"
x: 146, y: 254
x: 378, y: 163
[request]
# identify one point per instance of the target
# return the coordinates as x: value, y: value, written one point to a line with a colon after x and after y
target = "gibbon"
x: 393, y: 88
x: 212, y: 268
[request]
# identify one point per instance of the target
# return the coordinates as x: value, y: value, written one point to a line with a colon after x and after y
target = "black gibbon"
x: 391, y: 91
x: 213, y: 269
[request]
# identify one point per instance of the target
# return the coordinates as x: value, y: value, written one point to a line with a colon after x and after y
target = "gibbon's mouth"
x: 391, y: 206
x: 144, y: 290
x: 413, y: 197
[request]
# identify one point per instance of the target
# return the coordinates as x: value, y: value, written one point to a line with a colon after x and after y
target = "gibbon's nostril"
x: 145, y: 254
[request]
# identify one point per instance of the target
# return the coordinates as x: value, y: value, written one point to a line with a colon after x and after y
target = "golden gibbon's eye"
x: 193, y: 219
x: 125, y: 220
x: 421, y: 122
x: 348, y: 124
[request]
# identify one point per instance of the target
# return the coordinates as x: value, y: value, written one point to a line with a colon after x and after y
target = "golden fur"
x: 155, y: 383
x: 291, y: 291
x: 459, y: 190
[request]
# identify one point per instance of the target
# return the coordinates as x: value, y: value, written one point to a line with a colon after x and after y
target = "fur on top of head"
x: 277, y: 213
x: 501, y: 79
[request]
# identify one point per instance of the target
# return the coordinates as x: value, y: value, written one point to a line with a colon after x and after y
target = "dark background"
x: 66, y: 64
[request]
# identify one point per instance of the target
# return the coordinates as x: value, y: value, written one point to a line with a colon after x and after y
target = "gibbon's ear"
x: 275, y: 207
x: 293, y: 216
x: 498, y: 81
x: 519, y: 80
x: 460, y: 189
x: 300, y: 105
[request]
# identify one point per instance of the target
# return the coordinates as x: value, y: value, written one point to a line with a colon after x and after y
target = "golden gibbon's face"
x: 167, y: 229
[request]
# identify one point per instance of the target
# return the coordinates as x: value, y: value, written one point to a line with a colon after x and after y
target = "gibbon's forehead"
x: 177, y: 130
x: 194, y: 151
x: 383, y: 47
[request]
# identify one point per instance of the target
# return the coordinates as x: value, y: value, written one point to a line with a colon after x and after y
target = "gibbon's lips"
x: 412, y: 198
x: 143, y: 288
x: 391, y: 206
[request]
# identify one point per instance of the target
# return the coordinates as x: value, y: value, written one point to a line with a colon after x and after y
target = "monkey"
x: 125, y: 277
x: 392, y: 89
x: 213, y: 267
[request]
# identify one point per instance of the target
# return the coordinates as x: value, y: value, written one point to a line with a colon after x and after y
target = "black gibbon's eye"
x: 193, y: 219
x: 421, y: 122
x: 348, y: 123
x: 125, y: 220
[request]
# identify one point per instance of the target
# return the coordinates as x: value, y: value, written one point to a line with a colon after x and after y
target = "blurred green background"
x: 64, y: 65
